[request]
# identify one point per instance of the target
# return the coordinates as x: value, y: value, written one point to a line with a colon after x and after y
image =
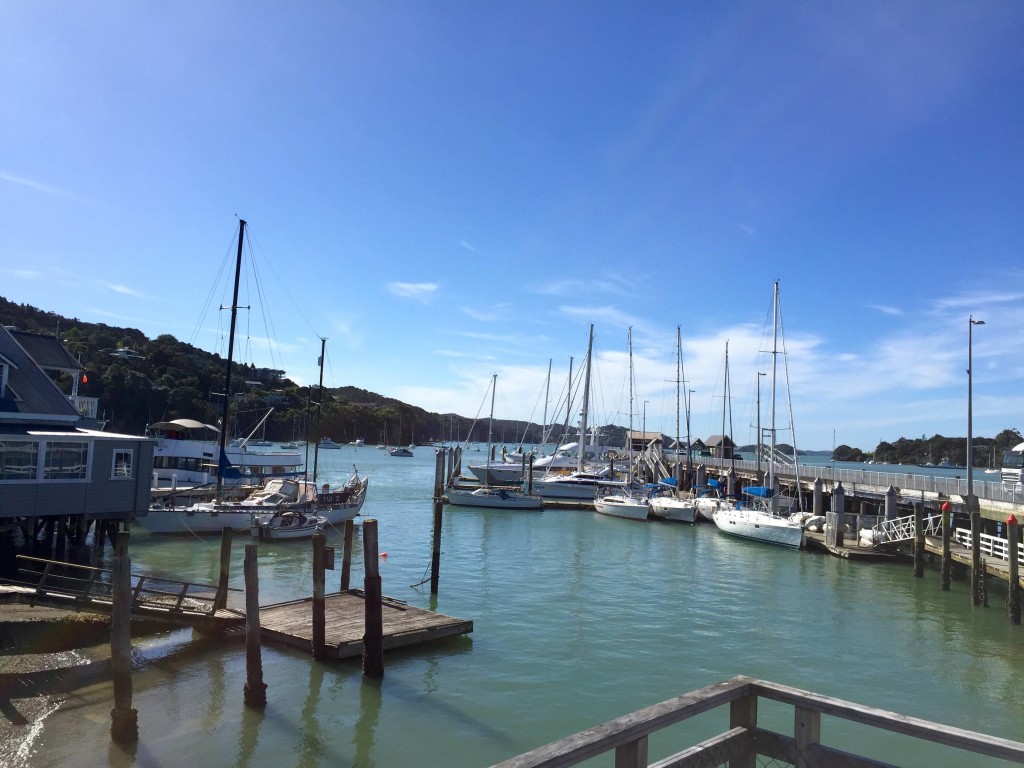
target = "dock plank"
x: 291, y: 623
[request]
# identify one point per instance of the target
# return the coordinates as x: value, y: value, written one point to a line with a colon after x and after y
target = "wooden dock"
x: 816, y: 541
x: 291, y: 623
x: 958, y: 553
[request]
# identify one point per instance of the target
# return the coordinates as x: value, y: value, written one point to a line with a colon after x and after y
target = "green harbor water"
x: 578, y: 619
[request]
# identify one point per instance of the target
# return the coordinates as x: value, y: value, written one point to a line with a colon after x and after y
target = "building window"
x: 18, y: 459
x: 122, y: 463
x: 66, y: 461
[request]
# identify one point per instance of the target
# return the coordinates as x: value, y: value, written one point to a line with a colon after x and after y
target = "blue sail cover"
x: 760, y: 491
x: 226, y: 469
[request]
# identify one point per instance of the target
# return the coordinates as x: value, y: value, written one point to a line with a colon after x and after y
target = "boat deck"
x: 291, y: 624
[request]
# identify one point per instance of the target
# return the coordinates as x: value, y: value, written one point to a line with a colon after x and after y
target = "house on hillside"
x: 52, y: 467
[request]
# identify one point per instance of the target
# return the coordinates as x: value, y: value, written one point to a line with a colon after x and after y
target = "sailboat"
x: 669, y: 504
x: 583, y: 483
x: 209, y: 517
x: 626, y: 503
x: 757, y: 517
x: 400, y: 450
x: 487, y: 495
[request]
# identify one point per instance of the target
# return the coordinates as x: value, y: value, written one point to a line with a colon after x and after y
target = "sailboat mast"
x: 547, y: 397
x: 679, y: 363
x: 586, y: 403
x: 630, y: 437
x: 320, y: 409
x: 490, y: 429
x: 775, y: 354
x: 725, y: 398
x: 222, y: 460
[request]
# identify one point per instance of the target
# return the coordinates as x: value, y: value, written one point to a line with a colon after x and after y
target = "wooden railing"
x: 87, y: 584
x: 745, y: 744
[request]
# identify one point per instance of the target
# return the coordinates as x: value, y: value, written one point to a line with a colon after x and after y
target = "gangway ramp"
x: 87, y: 588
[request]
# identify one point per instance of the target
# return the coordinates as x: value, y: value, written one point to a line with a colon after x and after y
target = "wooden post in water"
x: 254, y: 694
x: 439, y: 476
x: 818, y: 500
x: 918, y: 538
x: 947, y: 531
x: 319, y: 596
x: 457, y: 469
x: 221, y: 599
x: 1013, y: 592
x: 373, y: 636
x: 435, y: 550
x: 891, y: 508
x: 124, y: 721
x: 346, y: 555
x: 702, y: 475
x: 976, y: 575
x: 529, y: 475
x: 839, y: 509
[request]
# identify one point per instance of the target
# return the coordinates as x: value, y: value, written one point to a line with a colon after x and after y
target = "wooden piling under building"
x: 290, y: 623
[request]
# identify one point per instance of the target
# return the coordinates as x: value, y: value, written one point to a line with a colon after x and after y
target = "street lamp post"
x: 972, y: 500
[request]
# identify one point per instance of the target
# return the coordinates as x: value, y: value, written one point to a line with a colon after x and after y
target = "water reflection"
x: 369, y: 714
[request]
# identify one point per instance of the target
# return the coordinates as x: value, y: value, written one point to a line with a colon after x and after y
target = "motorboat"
x: 288, y: 524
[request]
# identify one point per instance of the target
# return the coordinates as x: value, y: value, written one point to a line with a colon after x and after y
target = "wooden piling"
x: 947, y: 534
x: 373, y: 637
x: 435, y: 547
x: 221, y: 599
x: 891, y: 506
x: 346, y: 555
x: 918, y: 539
x: 839, y: 509
x: 818, y: 501
x: 319, y: 595
x: 977, y: 577
x: 254, y: 694
x: 124, y: 721
x: 1013, y: 593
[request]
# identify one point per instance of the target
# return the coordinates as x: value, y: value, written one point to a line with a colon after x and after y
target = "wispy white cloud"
x: 748, y: 230
x: 886, y: 310
x: 468, y: 246
x: 609, y: 283
x: 418, y: 291
x: 24, y: 274
x: 125, y: 290
x: 37, y: 186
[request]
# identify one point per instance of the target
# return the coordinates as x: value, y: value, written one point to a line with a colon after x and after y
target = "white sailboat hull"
x: 622, y: 506
x: 679, y: 510
x: 759, y: 525
x: 494, y: 498
x: 190, y: 520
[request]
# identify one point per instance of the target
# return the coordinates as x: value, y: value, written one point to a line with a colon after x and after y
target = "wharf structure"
x: 868, y: 491
x: 59, y: 474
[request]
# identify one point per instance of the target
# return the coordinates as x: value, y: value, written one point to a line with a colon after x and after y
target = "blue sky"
x: 446, y: 190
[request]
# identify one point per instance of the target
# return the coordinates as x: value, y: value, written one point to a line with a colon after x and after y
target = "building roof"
x: 29, y: 392
x: 716, y: 440
x: 47, y: 351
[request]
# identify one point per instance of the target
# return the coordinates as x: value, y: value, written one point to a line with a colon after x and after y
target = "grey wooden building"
x: 52, y: 467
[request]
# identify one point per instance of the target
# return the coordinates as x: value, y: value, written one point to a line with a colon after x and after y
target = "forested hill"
x: 168, y: 379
